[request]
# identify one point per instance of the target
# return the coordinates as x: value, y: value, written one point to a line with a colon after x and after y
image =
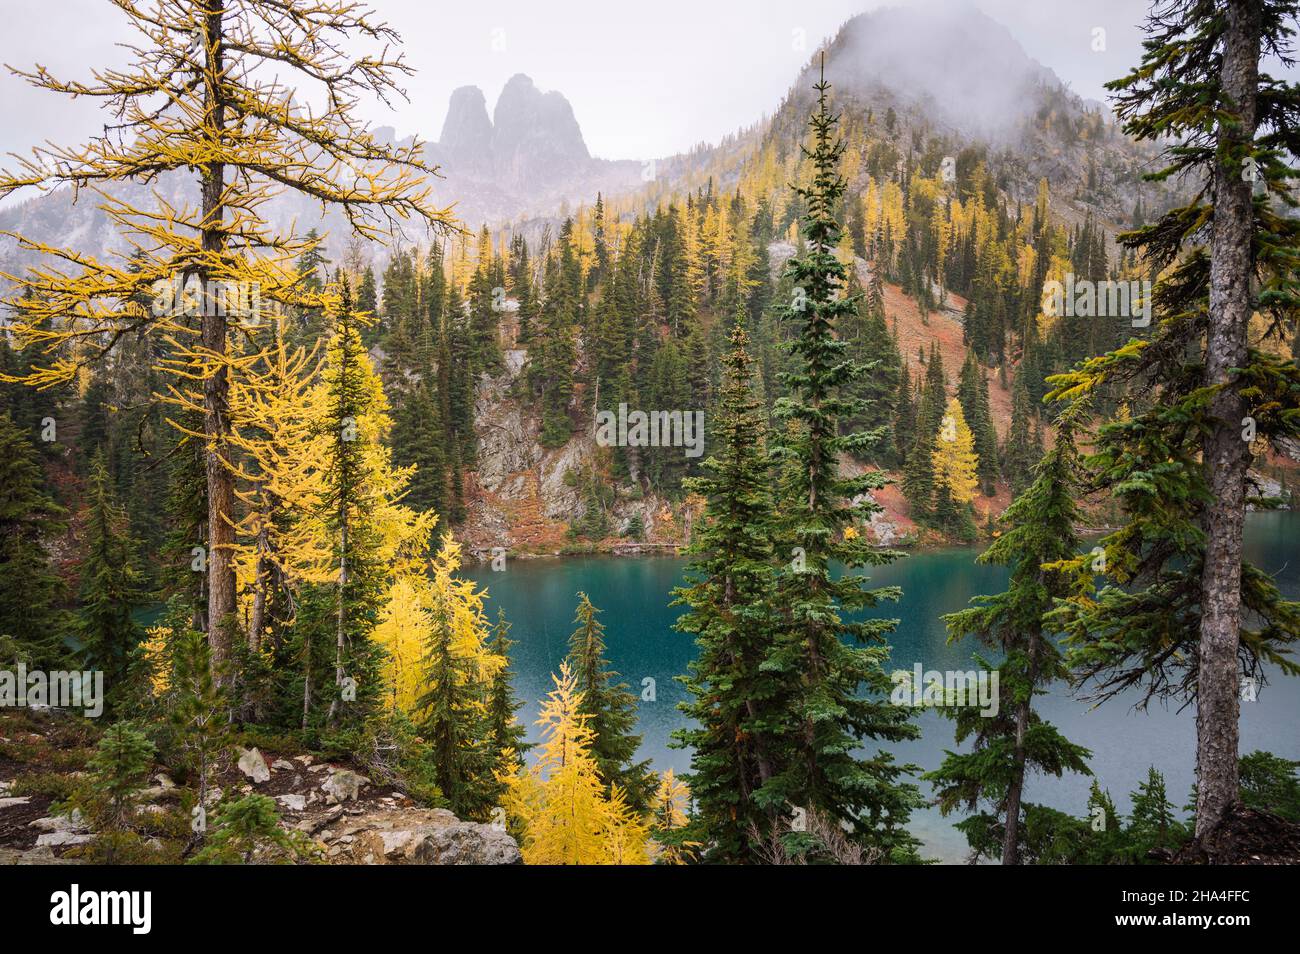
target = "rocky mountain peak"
x: 528, y: 119
x: 466, y: 138
x: 531, y: 142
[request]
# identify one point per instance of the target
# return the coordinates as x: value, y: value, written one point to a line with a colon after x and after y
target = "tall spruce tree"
x: 453, y: 721
x: 505, y: 733
x: 736, y: 704
x: 1015, y: 739
x: 918, y: 475
x: 110, y: 584
x: 832, y: 667
x: 973, y: 392
x: 30, y: 522
x: 352, y: 392
x: 1021, y: 451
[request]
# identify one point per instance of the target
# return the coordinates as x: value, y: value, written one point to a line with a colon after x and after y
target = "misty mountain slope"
x: 954, y: 73
x: 956, y: 78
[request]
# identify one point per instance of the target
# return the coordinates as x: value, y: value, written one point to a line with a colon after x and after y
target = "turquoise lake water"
x: 539, y: 597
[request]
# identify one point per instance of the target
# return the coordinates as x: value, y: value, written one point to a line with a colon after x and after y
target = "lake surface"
x: 539, y: 597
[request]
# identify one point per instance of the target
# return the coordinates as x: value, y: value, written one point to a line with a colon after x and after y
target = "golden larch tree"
x: 247, y: 98
x: 954, y: 459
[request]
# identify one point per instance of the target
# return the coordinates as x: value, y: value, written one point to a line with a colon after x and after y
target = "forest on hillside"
x: 245, y: 468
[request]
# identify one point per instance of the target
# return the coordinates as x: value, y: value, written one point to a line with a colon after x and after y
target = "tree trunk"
x: 341, y: 622
x: 1226, y: 456
x: 257, y: 617
x: 1011, y: 828
x: 306, y: 680
x: 216, y: 387
x: 345, y: 493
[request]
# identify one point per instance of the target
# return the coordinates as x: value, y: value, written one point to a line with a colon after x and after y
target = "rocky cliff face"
x: 525, y: 161
x: 466, y: 138
x: 522, y: 497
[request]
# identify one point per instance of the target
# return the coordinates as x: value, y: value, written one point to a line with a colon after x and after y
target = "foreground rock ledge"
x: 411, y: 836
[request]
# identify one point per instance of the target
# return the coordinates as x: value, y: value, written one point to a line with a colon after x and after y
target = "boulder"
x: 292, y: 802
x: 252, y: 764
x: 62, y: 839
x: 344, y: 786
x: 35, y: 856
x: 421, y: 836
x: 467, y: 843
x: 74, y: 822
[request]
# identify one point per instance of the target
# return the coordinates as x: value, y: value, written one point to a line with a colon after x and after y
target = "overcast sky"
x: 645, y: 78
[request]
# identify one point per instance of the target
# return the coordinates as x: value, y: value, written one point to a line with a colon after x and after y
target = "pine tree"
x: 1016, y: 740
x: 1152, y: 825
x: 505, y: 733
x: 918, y: 475
x: 369, y: 534
x: 350, y: 397
x: 459, y: 669
x: 119, y: 767
x: 973, y: 392
x: 1022, y: 450
x: 610, y: 709
x: 904, y: 416
x: 839, y: 691
x: 1186, y: 615
x: 736, y: 703
x: 552, y: 352
x: 196, y: 711
x: 30, y: 522
x: 110, y: 584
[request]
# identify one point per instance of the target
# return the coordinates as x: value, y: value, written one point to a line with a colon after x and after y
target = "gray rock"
x: 62, y: 839
x: 282, y: 765
x: 54, y: 823
x: 11, y: 802
x: 252, y: 764
x: 424, y: 836
x: 292, y: 802
x: 36, y: 856
x: 468, y: 843
x: 344, y: 786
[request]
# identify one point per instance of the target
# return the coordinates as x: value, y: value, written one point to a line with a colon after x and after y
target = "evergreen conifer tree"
x: 1015, y: 739
x: 736, y: 704
x: 833, y: 667
x: 610, y: 710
